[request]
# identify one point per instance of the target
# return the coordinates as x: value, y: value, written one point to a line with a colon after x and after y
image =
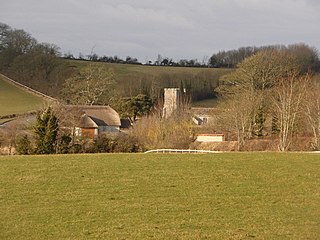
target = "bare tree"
x: 289, y: 93
x: 10, y: 134
x: 238, y: 116
x: 312, y: 113
x: 89, y: 86
x: 247, y: 91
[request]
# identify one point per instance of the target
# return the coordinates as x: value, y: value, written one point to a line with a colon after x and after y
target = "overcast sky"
x: 172, y: 28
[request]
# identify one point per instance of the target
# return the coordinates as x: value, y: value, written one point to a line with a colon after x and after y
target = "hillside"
x: 131, y: 80
x: 123, y: 70
x: 16, y: 100
x: 135, y: 79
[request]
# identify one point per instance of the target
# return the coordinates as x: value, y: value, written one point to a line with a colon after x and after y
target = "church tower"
x: 171, y: 101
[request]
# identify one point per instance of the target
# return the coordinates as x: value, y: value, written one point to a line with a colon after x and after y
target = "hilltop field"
x: 160, y: 196
x: 135, y: 79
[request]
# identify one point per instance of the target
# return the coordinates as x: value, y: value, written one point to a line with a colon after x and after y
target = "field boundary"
x: 180, y: 151
x: 24, y: 87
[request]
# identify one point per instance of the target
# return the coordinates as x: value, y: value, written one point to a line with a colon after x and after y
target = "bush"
x: 103, y: 144
x: 63, y: 145
x: 127, y: 143
x: 23, y: 145
x: 156, y: 132
x: 114, y: 143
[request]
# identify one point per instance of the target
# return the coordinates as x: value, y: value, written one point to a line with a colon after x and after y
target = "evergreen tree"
x: 46, y: 130
x: 133, y: 107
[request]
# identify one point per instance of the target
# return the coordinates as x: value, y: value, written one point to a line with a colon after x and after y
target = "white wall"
x: 210, y: 138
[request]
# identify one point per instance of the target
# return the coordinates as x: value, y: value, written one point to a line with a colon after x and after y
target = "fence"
x: 11, y: 81
x: 179, y: 151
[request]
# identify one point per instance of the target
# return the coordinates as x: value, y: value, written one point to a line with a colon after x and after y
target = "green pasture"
x: 160, y: 196
x: 14, y: 100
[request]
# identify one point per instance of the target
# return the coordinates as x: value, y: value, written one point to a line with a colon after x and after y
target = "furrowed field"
x: 161, y: 196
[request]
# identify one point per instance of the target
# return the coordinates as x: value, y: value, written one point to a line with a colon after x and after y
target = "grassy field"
x: 146, y: 196
x: 131, y: 69
x: 14, y: 100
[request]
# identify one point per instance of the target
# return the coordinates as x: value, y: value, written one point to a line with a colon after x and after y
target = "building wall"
x: 89, y: 132
x: 108, y: 129
x: 210, y: 138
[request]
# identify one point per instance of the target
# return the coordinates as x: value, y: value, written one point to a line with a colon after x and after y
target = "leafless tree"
x: 289, y: 94
x: 10, y: 133
x: 90, y: 86
x: 312, y: 113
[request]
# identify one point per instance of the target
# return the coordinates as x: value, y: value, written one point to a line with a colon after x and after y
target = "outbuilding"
x: 210, y: 137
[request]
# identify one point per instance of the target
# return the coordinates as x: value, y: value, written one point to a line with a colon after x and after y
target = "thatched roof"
x: 94, y: 116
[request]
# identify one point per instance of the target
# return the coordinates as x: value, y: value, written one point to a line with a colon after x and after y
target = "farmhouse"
x: 95, y: 120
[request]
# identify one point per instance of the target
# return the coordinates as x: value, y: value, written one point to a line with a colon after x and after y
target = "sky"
x: 178, y: 29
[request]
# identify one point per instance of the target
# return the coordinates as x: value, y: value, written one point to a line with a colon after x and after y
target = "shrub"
x: 23, y: 145
x: 63, y: 145
x: 114, y: 143
x: 156, y: 132
x: 127, y: 143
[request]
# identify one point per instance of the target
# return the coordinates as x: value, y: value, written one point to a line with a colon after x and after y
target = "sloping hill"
x: 135, y: 79
x: 15, y: 99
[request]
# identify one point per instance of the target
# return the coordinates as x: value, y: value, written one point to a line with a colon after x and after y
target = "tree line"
x: 306, y: 55
x: 96, y: 58
x: 159, y: 61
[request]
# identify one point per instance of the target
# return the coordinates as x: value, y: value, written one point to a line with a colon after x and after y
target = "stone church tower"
x: 171, y: 101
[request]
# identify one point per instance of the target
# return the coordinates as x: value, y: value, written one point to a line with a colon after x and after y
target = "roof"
x: 94, y: 116
x: 125, y: 123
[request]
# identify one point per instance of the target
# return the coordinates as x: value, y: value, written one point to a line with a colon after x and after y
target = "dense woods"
x: 31, y: 63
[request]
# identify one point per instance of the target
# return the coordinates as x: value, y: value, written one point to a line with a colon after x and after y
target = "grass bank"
x: 14, y: 100
x: 150, y: 196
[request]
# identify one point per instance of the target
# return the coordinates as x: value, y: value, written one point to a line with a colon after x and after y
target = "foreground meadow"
x: 160, y: 196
